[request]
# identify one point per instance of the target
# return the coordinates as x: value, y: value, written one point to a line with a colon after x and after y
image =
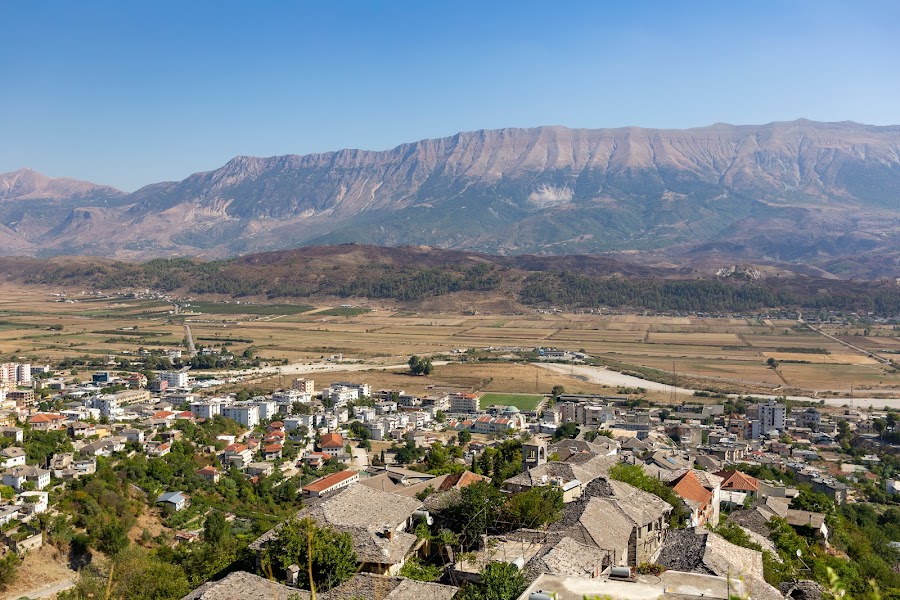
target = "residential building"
x: 209, y: 473
x: 174, y: 379
x: 12, y: 457
x: 771, y: 417
x: 176, y: 500
x: 331, y: 483
x: 16, y: 477
x: 15, y: 433
x: 464, y: 403
x: 307, y: 386
x: 266, y: 409
x: 206, y: 409
x: 47, y: 422
x: 245, y: 413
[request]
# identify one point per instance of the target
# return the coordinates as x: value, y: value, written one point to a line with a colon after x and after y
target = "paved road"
x: 47, y: 591
x: 190, y: 340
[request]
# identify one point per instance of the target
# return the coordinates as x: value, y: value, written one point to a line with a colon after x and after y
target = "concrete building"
x: 245, y: 413
x: 175, y: 379
x: 771, y: 417
x: 307, y: 386
x: 206, y: 409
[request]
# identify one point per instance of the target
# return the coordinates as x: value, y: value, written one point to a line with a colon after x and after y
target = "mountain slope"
x: 834, y: 188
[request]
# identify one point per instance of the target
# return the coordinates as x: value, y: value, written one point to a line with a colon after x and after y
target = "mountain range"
x: 823, y: 196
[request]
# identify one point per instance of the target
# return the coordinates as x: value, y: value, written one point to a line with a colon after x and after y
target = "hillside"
x: 825, y: 194
x: 413, y: 276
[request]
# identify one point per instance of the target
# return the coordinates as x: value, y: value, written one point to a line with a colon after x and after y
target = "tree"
x: 216, y: 530
x: 557, y: 391
x: 415, y: 568
x: 772, y: 363
x: 321, y: 552
x: 420, y: 365
x: 112, y: 538
x: 533, y: 508
x: 477, y: 511
x: 464, y: 436
x: 499, y: 581
x: 9, y: 569
x: 565, y: 431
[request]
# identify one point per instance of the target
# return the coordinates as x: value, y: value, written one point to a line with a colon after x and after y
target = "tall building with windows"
x: 771, y: 417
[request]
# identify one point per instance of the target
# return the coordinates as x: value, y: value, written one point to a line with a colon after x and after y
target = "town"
x: 456, y: 492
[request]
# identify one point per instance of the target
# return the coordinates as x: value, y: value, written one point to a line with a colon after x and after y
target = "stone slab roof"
x: 241, y: 585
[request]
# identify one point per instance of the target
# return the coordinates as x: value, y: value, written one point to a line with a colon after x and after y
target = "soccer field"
x: 520, y: 401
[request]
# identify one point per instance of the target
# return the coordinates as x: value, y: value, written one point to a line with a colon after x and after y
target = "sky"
x: 132, y: 93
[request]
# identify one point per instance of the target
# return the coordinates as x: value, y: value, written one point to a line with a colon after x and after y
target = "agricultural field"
x: 524, y: 402
x: 706, y: 352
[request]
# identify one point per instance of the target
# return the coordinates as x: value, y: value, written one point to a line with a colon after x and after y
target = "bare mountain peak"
x: 27, y: 183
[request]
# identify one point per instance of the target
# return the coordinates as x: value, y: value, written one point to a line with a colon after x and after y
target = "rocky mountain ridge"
x: 823, y: 194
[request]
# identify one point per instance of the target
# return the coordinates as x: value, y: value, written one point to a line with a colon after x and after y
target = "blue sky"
x: 130, y: 93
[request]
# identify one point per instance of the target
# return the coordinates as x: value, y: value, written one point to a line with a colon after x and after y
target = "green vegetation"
x: 342, y: 311
x: 420, y: 365
x: 328, y: 554
x: 231, y: 308
x: 524, y: 402
x: 499, y: 581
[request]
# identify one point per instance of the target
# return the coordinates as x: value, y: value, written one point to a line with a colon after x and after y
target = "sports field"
x: 524, y: 402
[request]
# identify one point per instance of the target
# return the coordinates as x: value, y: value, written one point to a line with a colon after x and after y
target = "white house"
x: 12, y: 457
x: 16, y: 477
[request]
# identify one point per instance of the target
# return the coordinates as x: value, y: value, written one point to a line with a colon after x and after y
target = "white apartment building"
x: 267, y: 408
x: 771, y: 417
x: 340, y: 395
x: 364, y: 389
x: 464, y: 403
x: 174, y: 379
x: 245, y: 413
x: 206, y: 409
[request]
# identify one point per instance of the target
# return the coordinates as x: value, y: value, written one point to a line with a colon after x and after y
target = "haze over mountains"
x: 820, y: 194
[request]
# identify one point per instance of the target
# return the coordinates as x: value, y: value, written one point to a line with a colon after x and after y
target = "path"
x: 190, y: 340
x: 863, y: 351
x: 304, y: 368
x: 608, y: 377
x: 49, y: 590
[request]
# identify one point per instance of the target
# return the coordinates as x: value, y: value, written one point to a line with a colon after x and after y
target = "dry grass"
x: 733, y: 350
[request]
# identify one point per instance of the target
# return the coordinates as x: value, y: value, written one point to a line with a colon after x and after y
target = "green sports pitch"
x: 521, y: 401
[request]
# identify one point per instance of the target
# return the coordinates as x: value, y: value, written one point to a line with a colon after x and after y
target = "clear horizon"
x: 129, y: 95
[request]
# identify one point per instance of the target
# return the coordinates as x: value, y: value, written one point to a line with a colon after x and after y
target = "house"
x: 571, y: 478
x: 33, y: 503
x: 735, y: 481
x: 81, y: 429
x: 316, y: 459
x: 332, y: 442
x: 8, y: 512
x: 260, y: 469
x: 158, y: 449
x: 701, y: 501
x: 330, y: 483
x: 176, y: 500
x: 47, y: 421
x: 238, y: 455
x: 15, y: 433
x: 209, y: 473
x: 246, y: 586
x: 133, y: 435
x: 272, y: 451
x: 17, y: 477
x: 12, y: 457
x: 628, y: 524
x: 703, y: 552
x: 378, y: 523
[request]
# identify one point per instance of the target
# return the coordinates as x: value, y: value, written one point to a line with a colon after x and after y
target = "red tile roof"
x: 45, y: 418
x: 163, y: 414
x: 332, y: 440
x: 739, y: 482
x: 329, y: 480
x: 689, y: 487
x: 273, y: 448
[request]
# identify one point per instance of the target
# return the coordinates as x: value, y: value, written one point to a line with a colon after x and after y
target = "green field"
x: 342, y: 311
x: 523, y: 402
x: 227, y: 308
